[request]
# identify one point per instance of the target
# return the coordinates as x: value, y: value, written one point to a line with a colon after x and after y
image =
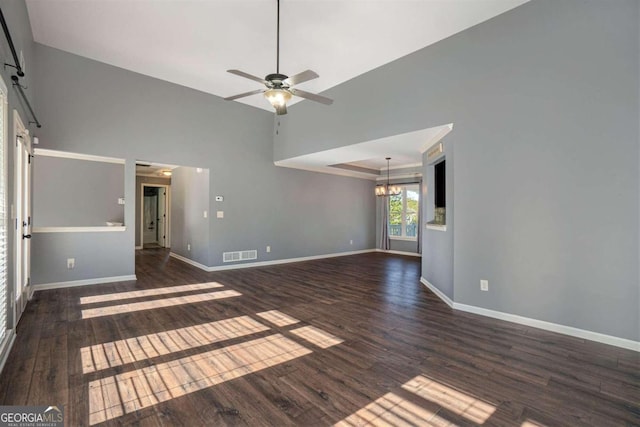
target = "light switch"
x: 121, y: 201
x: 206, y: 214
x: 219, y: 214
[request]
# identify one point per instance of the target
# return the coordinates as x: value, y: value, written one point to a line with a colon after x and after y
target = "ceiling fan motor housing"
x: 276, y: 79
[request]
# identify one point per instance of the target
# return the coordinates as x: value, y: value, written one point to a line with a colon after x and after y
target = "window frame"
x: 403, y: 216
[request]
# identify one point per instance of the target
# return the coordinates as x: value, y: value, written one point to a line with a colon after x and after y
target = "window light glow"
x: 471, y: 408
x: 393, y: 410
x: 148, y: 292
x: 117, y: 353
x: 316, y: 336
x: 121, y: 394
x: 162, y: 303
x: 278, y: 318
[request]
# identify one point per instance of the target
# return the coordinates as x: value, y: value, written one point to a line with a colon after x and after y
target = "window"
x: 4, y: 222
x: 403, y: 213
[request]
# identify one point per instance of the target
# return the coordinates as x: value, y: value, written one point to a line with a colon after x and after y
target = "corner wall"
x: 544, y: 101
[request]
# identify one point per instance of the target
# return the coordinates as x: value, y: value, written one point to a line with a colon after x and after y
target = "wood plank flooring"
x: 344, y: 341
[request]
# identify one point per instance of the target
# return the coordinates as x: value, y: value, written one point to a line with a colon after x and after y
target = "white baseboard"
x: 7, y: 349
x: 399, y: 253
x: 437, y: 291
x: 189, y: 261
x: 267, y: 263
x: 535, y: 323
x: 84, y: 282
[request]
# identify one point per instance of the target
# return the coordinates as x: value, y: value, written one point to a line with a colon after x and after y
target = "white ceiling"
x: 405, y: 151
x: 194, y: 42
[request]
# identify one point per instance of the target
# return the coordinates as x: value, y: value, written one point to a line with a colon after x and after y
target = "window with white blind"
x: 4, y: 220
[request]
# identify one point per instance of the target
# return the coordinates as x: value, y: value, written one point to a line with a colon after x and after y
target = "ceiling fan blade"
x: 311, y: 96
x: 242, y: 95
x: 281, y: 109
x: 247, y: 76
x: 301, y: 77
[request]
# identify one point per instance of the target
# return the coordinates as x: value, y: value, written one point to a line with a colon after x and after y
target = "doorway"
x: 155, y: 218
x: 22, y: 203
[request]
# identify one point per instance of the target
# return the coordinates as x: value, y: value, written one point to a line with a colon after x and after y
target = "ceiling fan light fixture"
x: 277, y: 97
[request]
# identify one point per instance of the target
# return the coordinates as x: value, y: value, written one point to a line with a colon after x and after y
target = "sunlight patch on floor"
x: 148, y: 292
x: 278, y: 318
x: 392, y: 410
x: 121, y: 394
x: 117, y: 353
x: 317, y: 336
x: 471, y: 408
x: 529, y: 423
x: 162, y: 303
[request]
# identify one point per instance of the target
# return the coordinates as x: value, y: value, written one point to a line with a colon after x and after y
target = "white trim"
x: 404, y: 238
x: 7, y: 347
x: 401, y: 176
x: 553, y: 327
x: 404, y: 166
x: 189, y: 261
x: 437, y: 227
x: 138, y: 248
x: 267, y: 263
x: 85, y: 282
x: 438, y: 292
x: 77, y: 156
x: 399, y: 253
x: 535, y: 323
x: 436, y: 139
x: 76, y: 229
x: 433, y: 141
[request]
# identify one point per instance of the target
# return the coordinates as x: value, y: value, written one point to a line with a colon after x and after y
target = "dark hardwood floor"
x: 353, y: 340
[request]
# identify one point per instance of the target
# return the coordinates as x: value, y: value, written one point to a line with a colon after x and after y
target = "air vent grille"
x: 239, y: 256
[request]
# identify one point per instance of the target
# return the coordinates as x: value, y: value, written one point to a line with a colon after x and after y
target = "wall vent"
x: 239, y: 256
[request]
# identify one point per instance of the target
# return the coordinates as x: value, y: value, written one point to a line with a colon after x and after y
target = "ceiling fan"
x: 279, y: 87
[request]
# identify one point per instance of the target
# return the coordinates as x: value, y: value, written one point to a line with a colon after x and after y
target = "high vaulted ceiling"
x: 194, y: 42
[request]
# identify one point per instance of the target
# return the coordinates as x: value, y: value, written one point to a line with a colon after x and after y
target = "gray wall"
x: 74, y: 193
x: 93, y: 108
x: 544, y: 101
x: 437, y: 246
x: 139, y: 181
x: 189, y: 201
x: 15, y: 13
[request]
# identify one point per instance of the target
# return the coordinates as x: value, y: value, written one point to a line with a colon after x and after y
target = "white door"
x: 23, y: 217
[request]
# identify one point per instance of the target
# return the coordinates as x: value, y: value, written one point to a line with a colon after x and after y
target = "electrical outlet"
x: 484, y: 285
x: 205, y: 214
x: 188, y: 246
x: 219, y: 214
x: 268, y: 248
x: 351, y: 242
x: 71, y: 263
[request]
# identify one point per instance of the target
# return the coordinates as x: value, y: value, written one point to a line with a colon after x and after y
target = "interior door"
x: 23, y: 219
x: 162, y: 216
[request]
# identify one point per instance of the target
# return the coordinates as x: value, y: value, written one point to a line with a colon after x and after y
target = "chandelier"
x: 386, y: 189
